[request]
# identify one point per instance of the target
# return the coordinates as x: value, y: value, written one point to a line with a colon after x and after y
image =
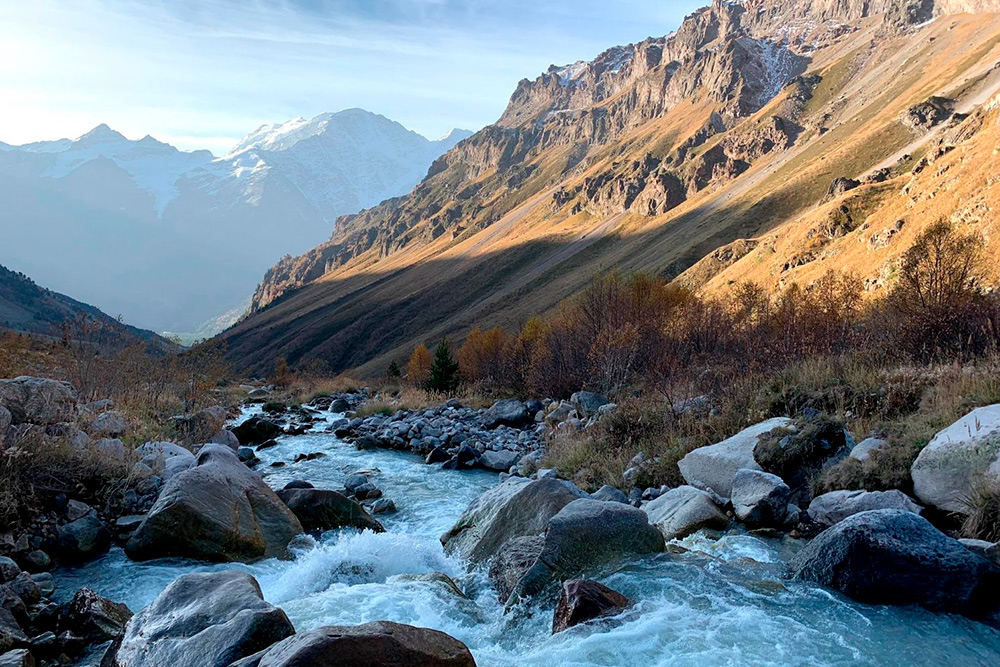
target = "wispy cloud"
x: 201, y: 74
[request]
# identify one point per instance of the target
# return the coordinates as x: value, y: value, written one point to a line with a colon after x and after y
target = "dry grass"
x: 983, y: 520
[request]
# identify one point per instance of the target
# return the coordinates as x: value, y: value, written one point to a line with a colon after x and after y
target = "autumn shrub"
x: 418, y: 370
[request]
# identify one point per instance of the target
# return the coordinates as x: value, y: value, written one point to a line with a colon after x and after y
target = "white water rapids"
x: 721, y: 603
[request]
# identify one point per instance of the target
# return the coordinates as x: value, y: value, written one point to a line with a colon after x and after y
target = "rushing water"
x: 720, y: 603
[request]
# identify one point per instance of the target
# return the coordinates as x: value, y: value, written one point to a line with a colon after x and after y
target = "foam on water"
x: 720, y: 602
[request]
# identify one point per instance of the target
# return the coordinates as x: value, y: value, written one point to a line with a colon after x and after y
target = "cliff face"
x: 734, y: 124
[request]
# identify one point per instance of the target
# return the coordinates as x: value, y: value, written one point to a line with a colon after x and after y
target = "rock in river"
x: 218, y: 511
x: 317, y: 509
x: 685, y: 510
x: 582, y: 600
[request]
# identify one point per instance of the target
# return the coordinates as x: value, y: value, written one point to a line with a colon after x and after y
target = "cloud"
x: 205, y: 73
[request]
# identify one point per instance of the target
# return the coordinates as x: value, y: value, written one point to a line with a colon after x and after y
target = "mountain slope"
x: 28, y: 308
x: 649, y: 158
x: 172, y: 238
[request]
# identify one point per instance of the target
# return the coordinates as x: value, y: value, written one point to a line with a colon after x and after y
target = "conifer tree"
x: 444, y: 370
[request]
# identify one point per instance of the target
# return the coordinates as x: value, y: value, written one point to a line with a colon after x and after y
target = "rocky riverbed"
x: 378, y: 539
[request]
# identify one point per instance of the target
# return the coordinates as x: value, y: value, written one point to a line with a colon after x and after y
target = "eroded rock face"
x: 957, y: 458
x: 585, y: 534
x: 582, y: 600
x: 515, y: 508
x: 41, y: 401
x: 684, y: 510
x: 370, y: 645
x: 897, y: 557
x: 514, y: 558
x: 218, y: 511
x: 206, y: 619
x: 715, y: 466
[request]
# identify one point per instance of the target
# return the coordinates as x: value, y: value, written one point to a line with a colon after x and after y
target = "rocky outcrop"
x: 715, y: 466
x: 685, y: 510
x: 32, y: 400
x: 835, y: 506
x: 586, y: 534
x: 207, y: 619
x: 582, y: 600
x: 317, y: 509
x: 218, y: 511
x: 897, y: 557
x: 515, y: 508
x: 958, y: 458
x: 369, y: 645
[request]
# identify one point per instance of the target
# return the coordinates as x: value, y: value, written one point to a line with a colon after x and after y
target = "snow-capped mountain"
x: 171, y: 238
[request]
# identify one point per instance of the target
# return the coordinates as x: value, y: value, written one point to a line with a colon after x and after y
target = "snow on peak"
x: 102, y: 134
x: 569, y: 73
x: 454, y: 136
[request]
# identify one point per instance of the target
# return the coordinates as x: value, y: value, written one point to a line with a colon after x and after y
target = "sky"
x: 202, y: 74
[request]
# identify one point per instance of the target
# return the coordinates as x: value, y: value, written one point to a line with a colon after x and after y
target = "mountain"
x: 28, y: 308
x: 728, y: 149
x: 172, y: 238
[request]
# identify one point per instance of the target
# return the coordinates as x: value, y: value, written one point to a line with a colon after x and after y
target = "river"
x: 722, y: 602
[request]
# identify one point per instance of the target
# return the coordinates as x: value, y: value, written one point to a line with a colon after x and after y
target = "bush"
x: 418, y: 370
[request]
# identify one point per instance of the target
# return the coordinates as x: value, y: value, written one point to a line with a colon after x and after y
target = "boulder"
x: 587, y: 403
x: 515, y: 508
x: 317, y: 509
x: 8, y: 570
x: 800, y: 452
x: 508, y: 412
x: 111, y: 448
x: 375, y: 644
x: 582, y: 600
x: 109, y: 424
x: 339, y: 405
x: 256, y: 431
x: 863, y: 450
x: 501, y: 461
x: 947, y: 470
x: 562, y: 412
x: 760, y: 499
x: 199, y: 427
x: 715, y: 466
x: 218, y: 511
x: 42, y: 401
x: 610, y: 494
x: 898, y: 557
x: 94, y: 618
x: 835, y: 506
x: 685, y: 510
x: 209, y: 619
x: 83, y: 539
x: 227, y: 438
x: 510, y: 563
x: 166, y: 459
x: 20, y: 658
x: 585, y: 534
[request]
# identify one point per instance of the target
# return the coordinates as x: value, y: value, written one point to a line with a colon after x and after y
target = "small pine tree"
x: 393, y: 370
x: 444, y: 370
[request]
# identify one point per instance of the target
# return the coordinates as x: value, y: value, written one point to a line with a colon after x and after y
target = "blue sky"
x: 203, y: 74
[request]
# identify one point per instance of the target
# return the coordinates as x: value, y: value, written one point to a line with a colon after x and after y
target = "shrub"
x: 418, y: 370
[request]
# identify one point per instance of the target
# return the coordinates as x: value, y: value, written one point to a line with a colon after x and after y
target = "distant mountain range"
x: 29, y: 308
x: 172, y: 239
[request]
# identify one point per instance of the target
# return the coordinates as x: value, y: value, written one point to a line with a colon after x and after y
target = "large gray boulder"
x: 318, y: 509
x: 207, y: 619
x: 947, y: 470
x: 715, y: 466
x: 378, y: 644
x: 108, y: 424
x: 586, y: 534
x: 510, y: 563
x: 685, y: 510
x: 166, y: 459
x: 515, y: 508
x: 587, y: 403
x: 835, y: 506
x: 218, y: 511
x: 760, y: 499
x: 507, y: 412
x: 42, y: 401
x: 898, y: 557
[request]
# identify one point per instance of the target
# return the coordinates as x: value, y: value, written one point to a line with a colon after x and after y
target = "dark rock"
x: 95, y: 618
x: 437, y: 455
x: 610, y: 494
x: 11, y: 634
x: 46, y: 583
x: 339, y: 405
x: 37, y: 561
x: 317, y: 509
x: 26, y: 588
x: 267, y: 444
x: 583, y: 600
x: 218, y: 511
x: 8, y: 570
x: 256, y: 431
x: 19, y: 658
x: 501, y: 461
x: 201, y: 426
x: 510, y: 563
x: 587, y: 403
x: 467, y: 456
x: 298, y: 484
x: 897, y: 557
x: 508, y: 412
x: 367, y: 491
x: 204, y: 619
x: 378, y: 644
x: 835, y: 506
x: 83, y: 539
x: 383, y: 506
